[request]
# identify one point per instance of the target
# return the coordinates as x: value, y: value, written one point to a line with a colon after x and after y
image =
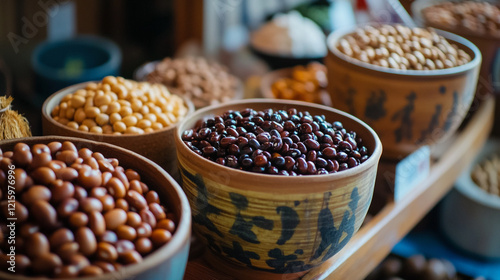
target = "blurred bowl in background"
x: 469, y: 216
x: 58, y: 64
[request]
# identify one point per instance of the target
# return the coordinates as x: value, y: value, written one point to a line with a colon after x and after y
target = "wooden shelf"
x: 374, y: 241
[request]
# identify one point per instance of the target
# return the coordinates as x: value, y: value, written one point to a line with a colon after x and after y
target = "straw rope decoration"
x: 12, y: 124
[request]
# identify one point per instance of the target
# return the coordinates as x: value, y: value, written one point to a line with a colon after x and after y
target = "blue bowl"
x: 58, y: 64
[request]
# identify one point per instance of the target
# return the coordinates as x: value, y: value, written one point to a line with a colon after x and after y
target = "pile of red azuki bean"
x: 78, y: 213
x: 280, y: 142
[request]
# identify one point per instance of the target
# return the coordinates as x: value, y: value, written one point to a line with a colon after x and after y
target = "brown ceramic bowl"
x: 270, y: 78
x: 159, y: 146
x: 487, y: 44
x: 407, y: 108
x: 167, y: 262
x: 260, y: 226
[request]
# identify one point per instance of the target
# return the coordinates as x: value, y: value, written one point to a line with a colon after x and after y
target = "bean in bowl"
x: 401, y: 47
x: 277, y: 142
x: 77, y: 212
x: 119, y: 106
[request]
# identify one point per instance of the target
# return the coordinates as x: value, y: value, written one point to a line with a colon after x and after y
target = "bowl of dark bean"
x: 276, y: 186
x: 475, y: 20
x: 75, y: 208
x: 413, y: 86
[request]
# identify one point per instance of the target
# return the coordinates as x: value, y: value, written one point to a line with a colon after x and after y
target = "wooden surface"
x: 374, y: 241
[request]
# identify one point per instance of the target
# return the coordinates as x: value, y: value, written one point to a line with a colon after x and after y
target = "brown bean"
x: 37, y: 244
x: 89, y: 178
x: 20, y: 177
x: 85, y: 153
x: 22, y: 155
x: 122, y: 204
x: 167, y: 224
x: 116, y: 188
x: 66, y: 271
x: 80, y: 193
x: 144, y: 230
x: 98, y: 192
x: 67, y: 207
x: 160, y: 236
x: 131, y: 257
x: 67, y: 156
x: 124, y: 246
x: 60, y: 237
x: 54, y: 147
x: 132, y: 175
x: 105, y: 266
x: 43, y: 175
x: 148, y: 217
x: 56, y: 165
x: 106, y: 252
x: 40, y: 149
x: 133, y: 219
x: 67, y: 174
x: 27, y: 229
x: 92, y: 162
x: 108, y: 202
x: 120, y: 174
x: 126, y: 232
x: 21, y: 213
x: 136, y: 200
x: 86, y: 240
x: 115, y: 218
x: 105, y: 177
x: 67, y: 250
x: 78, y: 260
x: 143, y: 245
x: 90, y: 204
x: 22, y: 262
x: 109, y: 237
x: 78, y: 219
x: 40, y: 160
x: 44, y: 213
x: 46, y: 263
x: 97, y: 223
x: 157, y: 211
x: 35, y: 193
x: 152, y: 196
x: 105, y: 166
x: 135, y: 186
x: 91, y: 270
x: 68, y: 146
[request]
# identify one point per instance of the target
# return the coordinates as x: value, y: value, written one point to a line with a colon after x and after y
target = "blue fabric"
x: 433, y: 245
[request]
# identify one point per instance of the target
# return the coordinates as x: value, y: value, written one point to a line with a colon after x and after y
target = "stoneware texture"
x: 487, y: 44
x: 470, y: 217
x: 167, y: 262
x: 407, y: 108
x: 159, y: 146
x: 270, y: 78
x: 260, y: 226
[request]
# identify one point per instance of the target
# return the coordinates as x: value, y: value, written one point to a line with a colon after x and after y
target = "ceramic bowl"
x: 270, y: 78
x: 167, y: 262
x: 260, y: 226
x: 159, y: 146
x: 487, y: 44
x: 469, y: 216
x: 407, y: 108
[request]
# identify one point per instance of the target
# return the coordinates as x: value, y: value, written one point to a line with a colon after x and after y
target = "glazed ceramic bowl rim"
x: 335, y: 36
x: 466, y: 186
x: 243, y: 175
x: 156, y: 257
x: 46, y: 112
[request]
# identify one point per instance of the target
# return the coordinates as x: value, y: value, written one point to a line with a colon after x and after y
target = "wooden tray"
x: 374, y: 241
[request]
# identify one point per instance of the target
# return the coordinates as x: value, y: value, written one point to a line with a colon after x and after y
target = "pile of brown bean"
x: 280, y: 142
x: 78, y: 213
x: 486, y: 175
x: 202, y: 82
x: 473, y: 16
x: 119, y: 106
x: 401, y: 47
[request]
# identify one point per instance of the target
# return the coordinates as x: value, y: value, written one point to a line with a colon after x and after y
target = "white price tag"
x: 411, y: 171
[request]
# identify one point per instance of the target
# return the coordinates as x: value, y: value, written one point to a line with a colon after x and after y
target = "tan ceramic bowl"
x: 407, y: 108
x: 159, y: 146
x: 272, y: 224
x: 487, y: 44
x: 167, y: 262
x: 270, y: 78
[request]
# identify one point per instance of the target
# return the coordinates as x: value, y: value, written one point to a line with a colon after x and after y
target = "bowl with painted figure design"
x: 408, y: 89
x: 260, y: 225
